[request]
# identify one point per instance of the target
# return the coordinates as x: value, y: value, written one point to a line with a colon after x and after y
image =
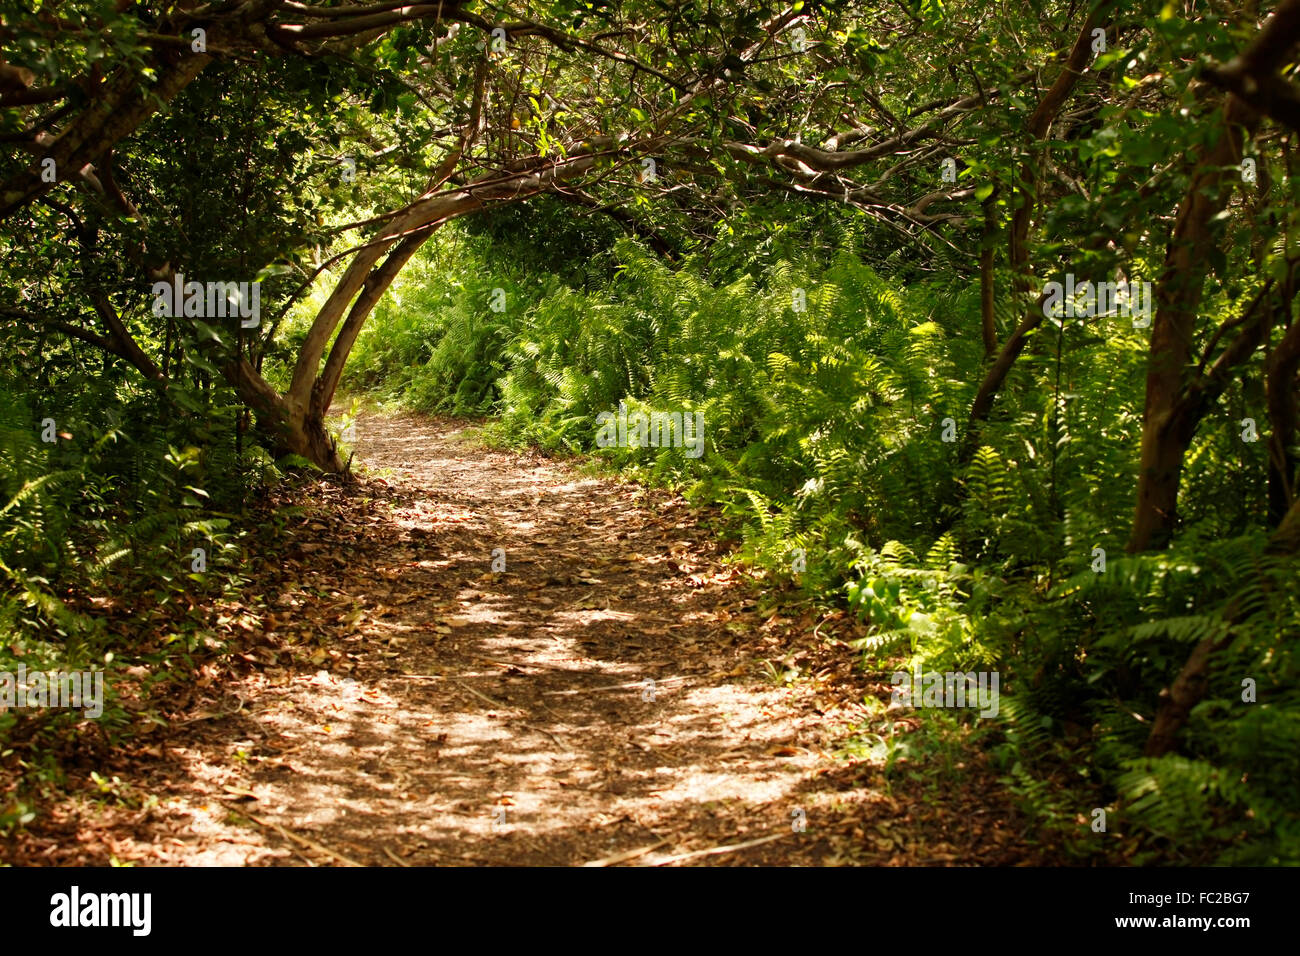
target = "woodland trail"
x: 404, y: 704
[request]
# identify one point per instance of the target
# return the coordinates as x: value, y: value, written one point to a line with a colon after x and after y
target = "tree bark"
x: 1192, y: 682
x: 1167, y: 431
x: 1284, y: 420
x: 376, y: 285
x: 1253, y: 76
x: 290, y: 430
x: 116, y: 113
x: 297, y: 417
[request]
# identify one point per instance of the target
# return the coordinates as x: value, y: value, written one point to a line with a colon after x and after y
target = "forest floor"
x: 616, y: 695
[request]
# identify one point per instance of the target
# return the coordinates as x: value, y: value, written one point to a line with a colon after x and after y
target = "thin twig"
x: 497, y: 704
x: 626, y: 855
x: 543, y: 730
x: 522, y: 664
x: 718, y: 849
x: 310, y: 844
x: 591, y: 690
x: 395, y: 858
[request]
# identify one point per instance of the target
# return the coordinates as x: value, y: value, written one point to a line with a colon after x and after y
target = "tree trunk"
x: 291, y: 429
x: 1018, y: 235
x: 297, y: 419
x: 1284, y: 420
x: 997, y: 374
x: 516, y: 182
x: 1165, y: 435
x: 122, y: 106
x: 1193, y: 680
x: 323, y: 391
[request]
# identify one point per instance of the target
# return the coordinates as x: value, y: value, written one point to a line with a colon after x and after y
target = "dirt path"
x: 599, y: 699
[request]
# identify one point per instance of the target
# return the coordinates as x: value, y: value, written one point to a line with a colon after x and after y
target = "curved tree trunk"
x: 296, y: 420
x: 376, y: 285
x: 121, y: 107
x: 1169, y: 423
x: 290, y: 430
